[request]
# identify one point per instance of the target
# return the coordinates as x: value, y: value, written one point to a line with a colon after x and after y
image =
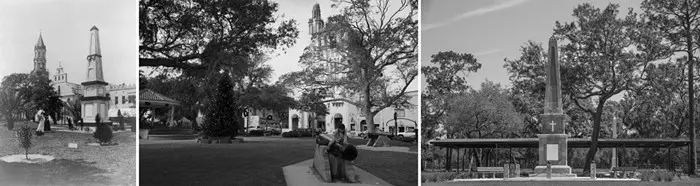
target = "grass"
x: 87, y: 165
x: 253, y: 163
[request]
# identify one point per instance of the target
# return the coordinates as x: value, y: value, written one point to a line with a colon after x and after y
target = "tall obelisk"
x: 553, y: 146
x: 96, y: 98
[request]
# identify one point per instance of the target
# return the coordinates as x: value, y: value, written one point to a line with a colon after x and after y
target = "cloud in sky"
x: 480, y: 11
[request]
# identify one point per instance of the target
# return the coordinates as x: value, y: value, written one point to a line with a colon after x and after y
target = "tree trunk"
x: 594, y: 138
x: 458, y: 162
x: 448, y: 160
x: 369, y: 117
x: 10, y: 122
x: 464, y: 157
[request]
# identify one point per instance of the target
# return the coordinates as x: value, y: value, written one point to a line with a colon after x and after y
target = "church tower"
x: 40, y: 58
x: 316, y: 25
x: 96, y: 98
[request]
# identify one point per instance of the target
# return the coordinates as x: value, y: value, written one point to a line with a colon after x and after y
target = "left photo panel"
x: 68, y: 92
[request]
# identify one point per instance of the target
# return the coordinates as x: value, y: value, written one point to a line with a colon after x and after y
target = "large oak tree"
x: 370, y: 56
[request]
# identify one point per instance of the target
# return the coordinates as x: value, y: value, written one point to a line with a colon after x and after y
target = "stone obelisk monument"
x: 553, y: 145
x: 96, y: 98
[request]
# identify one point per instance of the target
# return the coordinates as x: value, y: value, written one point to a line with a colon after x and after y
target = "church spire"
x: 94, y: 41
x: 40, y: 43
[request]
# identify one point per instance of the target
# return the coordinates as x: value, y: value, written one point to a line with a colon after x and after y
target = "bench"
x: 492, y: 170
x: 624, y: 171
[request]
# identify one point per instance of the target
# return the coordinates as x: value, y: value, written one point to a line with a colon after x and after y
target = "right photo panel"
x: 519, y: 92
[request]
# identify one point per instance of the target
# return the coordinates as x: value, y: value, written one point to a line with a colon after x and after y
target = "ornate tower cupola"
x: 96, y: 98
x: 40, y: 58
x: 316, y: 22
x: 60, y: 75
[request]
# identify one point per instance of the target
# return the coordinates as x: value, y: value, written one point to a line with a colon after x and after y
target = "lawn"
x: 87, y: 165
x: 253, y: 163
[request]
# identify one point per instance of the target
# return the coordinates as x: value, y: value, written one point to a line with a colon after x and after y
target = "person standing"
x: 39, y: 116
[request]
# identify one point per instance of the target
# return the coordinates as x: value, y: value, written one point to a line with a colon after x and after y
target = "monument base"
x: 557, y: 171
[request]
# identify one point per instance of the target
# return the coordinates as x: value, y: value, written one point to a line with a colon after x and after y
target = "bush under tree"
x: 220, y: 120
x: 103, y: 133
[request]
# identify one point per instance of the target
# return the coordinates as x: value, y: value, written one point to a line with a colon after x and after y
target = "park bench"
x: 492, y: 170
x: 624, y: 171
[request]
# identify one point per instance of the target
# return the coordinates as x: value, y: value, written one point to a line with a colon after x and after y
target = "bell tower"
x: 40, y: 58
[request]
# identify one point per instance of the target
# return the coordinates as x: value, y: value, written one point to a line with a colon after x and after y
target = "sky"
x: 493, y: 30
x: 65, y: 28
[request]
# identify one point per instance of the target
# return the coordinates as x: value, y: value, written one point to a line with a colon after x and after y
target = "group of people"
x: 42, y: 117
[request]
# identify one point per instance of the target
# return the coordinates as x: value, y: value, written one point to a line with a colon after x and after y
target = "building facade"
x: 67, y: 91
x: 123, y: 100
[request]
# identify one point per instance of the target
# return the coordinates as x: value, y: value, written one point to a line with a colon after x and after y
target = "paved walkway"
x: 301, y: 174
x: 391, y: 149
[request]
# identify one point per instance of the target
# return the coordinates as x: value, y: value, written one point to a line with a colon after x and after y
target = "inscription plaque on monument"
x: 552, y: 152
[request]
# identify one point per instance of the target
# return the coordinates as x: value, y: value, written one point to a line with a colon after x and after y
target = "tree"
x: 11, y: 105
x: 679, y: 22
x: 24, y: 139
x: 221, y: 120
x: 446, y: 75
x: 368, y: 53
x: 597, y: 64
x: 73, y: 107
x: 198, y: 37
x: 35, y: 91
x: 484, y: 113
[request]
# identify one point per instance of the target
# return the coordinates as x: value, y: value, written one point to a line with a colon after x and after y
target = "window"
x: 116, y: 100
x: 123, y: 99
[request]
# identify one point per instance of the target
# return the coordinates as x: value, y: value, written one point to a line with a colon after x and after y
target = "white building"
x: 344, y: 111
x: 123, y: 98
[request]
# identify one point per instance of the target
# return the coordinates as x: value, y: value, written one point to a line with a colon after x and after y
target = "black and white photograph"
x: 68, y: 92
x: 535, y: 92
x: 278, y: 92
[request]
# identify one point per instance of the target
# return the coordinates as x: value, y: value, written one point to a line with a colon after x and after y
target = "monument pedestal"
x: 553, y: 149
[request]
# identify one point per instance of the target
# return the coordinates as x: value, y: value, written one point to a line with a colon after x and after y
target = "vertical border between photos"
x: 420, y: 96
x: 137, y: 43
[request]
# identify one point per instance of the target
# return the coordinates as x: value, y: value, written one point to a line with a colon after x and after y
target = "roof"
x: 149, y: 98
x: 571, y: 142
x: 40, y: 43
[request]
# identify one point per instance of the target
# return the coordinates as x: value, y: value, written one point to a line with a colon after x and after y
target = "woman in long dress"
x: 337, y: 163
x: 40, y: 117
